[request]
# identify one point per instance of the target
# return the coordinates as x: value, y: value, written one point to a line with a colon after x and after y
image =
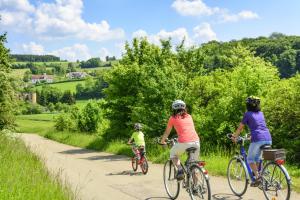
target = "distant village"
x: 44, y: 78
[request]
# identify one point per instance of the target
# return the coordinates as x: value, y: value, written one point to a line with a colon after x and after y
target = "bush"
x: 30, y: 109
x: 282, y: 110
x: 65, y: 122
x: 90, y: 117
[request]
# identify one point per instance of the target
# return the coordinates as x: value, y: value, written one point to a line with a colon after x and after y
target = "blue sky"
x: 80, y: 29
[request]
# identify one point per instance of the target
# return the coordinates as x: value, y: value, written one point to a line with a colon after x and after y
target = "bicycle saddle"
x: 191, y: 149
x: 266, y: 146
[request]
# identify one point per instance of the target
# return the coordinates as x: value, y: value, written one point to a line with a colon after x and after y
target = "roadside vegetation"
x: 23, y: 176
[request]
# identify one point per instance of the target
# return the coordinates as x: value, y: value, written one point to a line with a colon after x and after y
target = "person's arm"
x: 166, y: 135
x: 238, y: 131
x: 130, y: 140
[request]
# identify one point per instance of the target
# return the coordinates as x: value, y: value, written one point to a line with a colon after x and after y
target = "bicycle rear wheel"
x: 276, y: 183
x: 198, y: 184
x: 144, y: 165
x: 237, y: 176
x: 134, y: 163
x: 172, y: 186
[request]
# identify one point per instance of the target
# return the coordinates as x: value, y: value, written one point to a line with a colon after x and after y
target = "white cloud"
x: 176, y: 35
x: 16, y: 5
x: 139, y: 34
x: 103, y: 53
x: 73, y: 53
x: 199, y: 8
x: 60, y: 19
x: 193, y: 8
x: 204, y: 33
x: 33, y: 48
x: 120, y: 48
x: 243, y: 15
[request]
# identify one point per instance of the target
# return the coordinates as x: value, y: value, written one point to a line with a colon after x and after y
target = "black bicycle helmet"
x: 253, y: 101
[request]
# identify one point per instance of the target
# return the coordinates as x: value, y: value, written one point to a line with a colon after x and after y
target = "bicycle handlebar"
x: 240, y: 139
x: 171, y: 141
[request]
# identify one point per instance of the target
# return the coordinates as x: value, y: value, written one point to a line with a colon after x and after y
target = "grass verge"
x: 23, y: 176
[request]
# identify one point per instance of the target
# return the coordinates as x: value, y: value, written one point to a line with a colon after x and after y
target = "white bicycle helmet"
x: 178, y: 104
x: 138, y: 126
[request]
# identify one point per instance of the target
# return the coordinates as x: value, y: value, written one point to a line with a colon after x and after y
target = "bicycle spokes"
x: 275, y: 182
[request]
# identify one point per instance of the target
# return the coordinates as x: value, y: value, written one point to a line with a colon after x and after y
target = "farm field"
x: 70, y: 85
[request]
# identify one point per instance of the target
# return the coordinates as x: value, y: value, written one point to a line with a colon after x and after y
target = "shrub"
x: 65, y: 122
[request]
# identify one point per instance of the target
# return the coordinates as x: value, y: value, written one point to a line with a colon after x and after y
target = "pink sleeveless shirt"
x: 184, y: 127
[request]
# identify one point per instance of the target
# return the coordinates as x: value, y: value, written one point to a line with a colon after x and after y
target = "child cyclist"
x: 138, y: 138
x: 187, y: 136
x: 260, y: 134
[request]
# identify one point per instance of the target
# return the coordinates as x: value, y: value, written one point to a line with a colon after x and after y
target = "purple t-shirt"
x: 256, y: 123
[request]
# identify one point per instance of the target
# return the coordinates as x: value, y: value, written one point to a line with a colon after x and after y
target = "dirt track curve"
x: 102, y: 176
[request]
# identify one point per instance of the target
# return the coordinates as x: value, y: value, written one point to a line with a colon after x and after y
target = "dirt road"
x: 102, y: 176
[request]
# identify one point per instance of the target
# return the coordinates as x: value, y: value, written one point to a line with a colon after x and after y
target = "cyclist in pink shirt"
x: 187, y: 135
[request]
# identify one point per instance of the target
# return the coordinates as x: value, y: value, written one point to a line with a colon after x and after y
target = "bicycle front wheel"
x: 171, y: 184
x: 198, y: 184
x: 237, y: 176
x: 144, y: 165
x: 134, y: 163
x: 276, y: 183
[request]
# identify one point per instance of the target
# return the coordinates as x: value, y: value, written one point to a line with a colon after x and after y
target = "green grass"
x: 18, y: 73
x: 23, y: 176
x: 81, y: 103
x: 40, y: 123
x: 70, y: 85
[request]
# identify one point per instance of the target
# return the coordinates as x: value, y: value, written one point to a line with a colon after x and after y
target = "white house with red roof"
x: 41, y: 78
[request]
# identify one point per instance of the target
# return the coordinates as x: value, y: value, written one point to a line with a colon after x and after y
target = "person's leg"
x: 175, y: 152
x: 253, y: 151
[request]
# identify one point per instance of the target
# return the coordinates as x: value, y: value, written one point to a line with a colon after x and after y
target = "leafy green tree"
x: 90, y: 117
x: 91, y: 63
x: 217, y: 99
x: 7, y: 97
x: 282, y: 110
x: 142, y: 87
x: 68, y: 98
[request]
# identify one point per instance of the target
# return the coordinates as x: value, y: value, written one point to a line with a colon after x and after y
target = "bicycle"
x: 271, y: 170
x: 139, y: 158
x: 196, y: 180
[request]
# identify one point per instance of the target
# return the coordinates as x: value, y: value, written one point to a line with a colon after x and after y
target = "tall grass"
x: 23, y: 176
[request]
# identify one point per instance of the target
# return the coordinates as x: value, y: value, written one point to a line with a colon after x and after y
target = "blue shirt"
x: 256, y: 122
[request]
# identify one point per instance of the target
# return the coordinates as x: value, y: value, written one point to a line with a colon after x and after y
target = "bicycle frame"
x: 249, y: 170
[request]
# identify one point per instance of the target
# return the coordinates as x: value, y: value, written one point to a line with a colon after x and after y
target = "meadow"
x: 63, y: 86
x: 24, y: 176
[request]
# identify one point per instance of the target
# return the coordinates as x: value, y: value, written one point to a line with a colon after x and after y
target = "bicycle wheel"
x: 171, y: 184
x: 144, y: 165
x: 276, y: 182
x: 198, y: 184
x: 134, y: 163
x: 237, y: 176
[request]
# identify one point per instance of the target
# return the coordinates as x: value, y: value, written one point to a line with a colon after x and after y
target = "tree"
x: 142, y: 87
x: 282, y: 110
x: 90, y: 63
x: 68, y: 98
x: 7, y: 97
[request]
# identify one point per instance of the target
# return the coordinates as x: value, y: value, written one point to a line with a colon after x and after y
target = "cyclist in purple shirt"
x: 260, y: 134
